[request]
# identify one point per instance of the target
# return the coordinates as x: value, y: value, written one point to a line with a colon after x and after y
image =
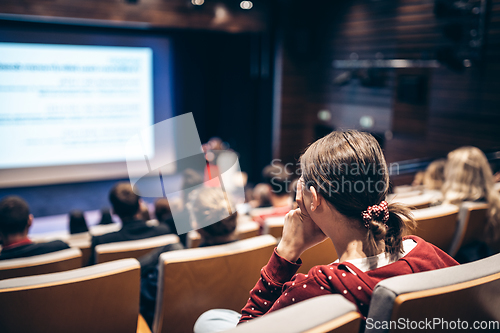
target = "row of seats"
x: 462, y: 297
x: 105, y: 297
x: 195, y: 280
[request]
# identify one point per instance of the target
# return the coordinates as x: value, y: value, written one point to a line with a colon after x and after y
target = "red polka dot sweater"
x: 279, y: 286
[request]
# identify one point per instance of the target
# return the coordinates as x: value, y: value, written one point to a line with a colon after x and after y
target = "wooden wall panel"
x: 462, y: 108
x: 221, y: 15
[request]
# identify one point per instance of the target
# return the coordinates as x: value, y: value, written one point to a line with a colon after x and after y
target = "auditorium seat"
x: 99, y: 299
x: 406, y: 194
x: 261, y: 211
x: 274, y: 226
x: 472, y: 221
x: 328, y: 313
x: 132, y: 249
x: 323, y: 253
x: 416, y: 201
x: 84, y: 244
x: 243, y: 231
x: 437, y: 225
x: 408, y: 188
x: 320, y: 254
x: 466, y: 292
x: 193, y: 281
x: 102, y: 229
x: 142, y: 325
x: 58, y: 261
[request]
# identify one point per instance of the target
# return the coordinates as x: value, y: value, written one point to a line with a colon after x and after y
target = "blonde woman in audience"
x: 468, y: 177
x: 434, y: 175
x: 205, y: 205
x: 419, y: 179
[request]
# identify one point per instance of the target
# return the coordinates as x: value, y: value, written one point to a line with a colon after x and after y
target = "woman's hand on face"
x: 299, y: 232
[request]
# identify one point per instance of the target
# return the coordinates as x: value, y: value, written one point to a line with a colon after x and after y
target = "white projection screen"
x: 69, y: 102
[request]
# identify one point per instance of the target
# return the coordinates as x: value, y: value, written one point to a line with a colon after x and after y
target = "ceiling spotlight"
x: 246, y: 5
x: 197, y: 2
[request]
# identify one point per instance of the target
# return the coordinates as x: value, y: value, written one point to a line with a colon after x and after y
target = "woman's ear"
x: 316, y: 199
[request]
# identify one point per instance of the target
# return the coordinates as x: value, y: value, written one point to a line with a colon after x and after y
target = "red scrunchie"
x: 376, y: 212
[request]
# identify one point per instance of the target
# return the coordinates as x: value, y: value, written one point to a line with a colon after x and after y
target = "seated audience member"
x: 15, y: 221
x: 468, y: 177
x: 144, y: 211
x: 105, y: 216
x: 418, y: 180
x: 77, y: 222
x: 261, y: 196
x: 163, y: 214
x: 207, y: 204
x: 126, y: 204
x: 366, y: 231
x: 279, y: 179
x: 434, y: 175
x: 190, y: 179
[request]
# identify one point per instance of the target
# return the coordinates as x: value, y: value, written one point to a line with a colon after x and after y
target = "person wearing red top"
x: 341, y: 196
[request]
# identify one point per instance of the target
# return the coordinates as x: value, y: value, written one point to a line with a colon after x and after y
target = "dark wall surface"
x: 418, y: 112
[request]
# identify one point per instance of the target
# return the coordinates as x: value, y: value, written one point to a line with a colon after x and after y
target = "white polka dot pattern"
x: 376, y: 212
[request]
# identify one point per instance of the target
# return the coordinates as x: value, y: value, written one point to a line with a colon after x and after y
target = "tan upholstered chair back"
x: 243, y: 231
x: 248, y: 230
x: 84, y: 245
x: 321, y: 254
x: 53, y: 262
x: 132, y: 249
x: 472, y: 220
x: 274, y: 226
x: 437, y: 225
x: 468, y: 293
x: 418, y: 201
x: 193, y: 281
x: 99, y: 299
x: 323, y: 314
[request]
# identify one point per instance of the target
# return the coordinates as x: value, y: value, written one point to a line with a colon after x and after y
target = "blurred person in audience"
x: 163, y: 214
x: 434, y: 175
x: 190, y: 179
x: 127, y: 205
x: 367, y: 232
x: 261, y: 196
x: 77, y: 222
x: 15, y: 221
x: 144, y: 211
x: 105, y: 216
x: 279, y: 180
x: 468, y: 177
x: 206, y: 205
x: 418, y: 180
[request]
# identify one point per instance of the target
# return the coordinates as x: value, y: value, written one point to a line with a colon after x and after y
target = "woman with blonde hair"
x: 468, y: 177
x: 434, y: 175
